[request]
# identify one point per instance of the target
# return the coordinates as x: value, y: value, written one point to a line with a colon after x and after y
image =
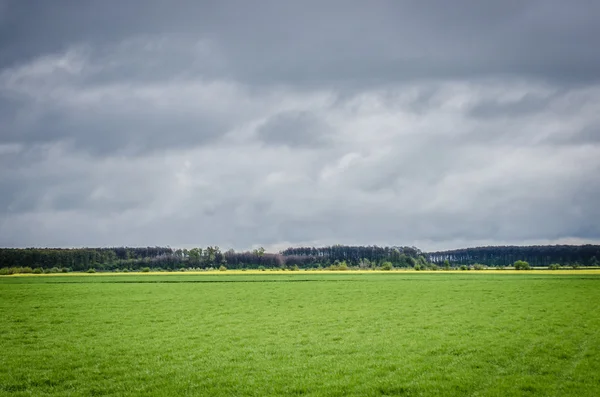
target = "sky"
x: 290, y: 123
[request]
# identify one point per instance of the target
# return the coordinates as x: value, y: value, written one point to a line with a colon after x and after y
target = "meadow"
x: 312, y: 334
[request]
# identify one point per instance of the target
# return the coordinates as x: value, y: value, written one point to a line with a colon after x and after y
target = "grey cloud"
x: 295, y: 129
x: 105, y: 133
x: 71, y: 191
x: 589, y: 135
x: 62, y: 99
x: 526, y: 105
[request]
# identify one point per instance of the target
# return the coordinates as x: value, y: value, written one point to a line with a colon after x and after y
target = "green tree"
x: 554, y: 266
x: 195, y: 256
x: 521, y: 265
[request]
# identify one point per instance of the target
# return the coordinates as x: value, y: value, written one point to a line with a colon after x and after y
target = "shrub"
x: 91, y: 270
x: 25, y: 269
x: 464, y: 267
x: 145, y: 269
x: 5, y: 271
x: 65, y: 270
x: 521, y: 265
x: 417, y: 267
x: 338, y: 266
x: 294, y: 268
x: 554, y: 266
x: 38, y: 270
x: 434, y: 267
x: 261, y: 268
x: 387, y: 266
x: 478, y: 266
x: 222, y: 268
x: 575, y: 265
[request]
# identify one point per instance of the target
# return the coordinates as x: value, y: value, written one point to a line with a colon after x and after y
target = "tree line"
x: 332, y: 257
x: 110, y: 259
x: 535, y: 255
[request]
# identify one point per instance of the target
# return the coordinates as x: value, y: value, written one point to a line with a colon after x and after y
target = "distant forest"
x: 333, y: 257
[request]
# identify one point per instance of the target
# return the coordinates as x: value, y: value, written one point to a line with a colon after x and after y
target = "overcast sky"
x: 283, y: 123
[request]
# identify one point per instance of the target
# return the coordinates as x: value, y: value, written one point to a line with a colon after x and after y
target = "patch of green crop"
x: 300, y: 334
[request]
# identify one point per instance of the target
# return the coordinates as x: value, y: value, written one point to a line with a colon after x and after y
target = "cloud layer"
x: 288, y: 124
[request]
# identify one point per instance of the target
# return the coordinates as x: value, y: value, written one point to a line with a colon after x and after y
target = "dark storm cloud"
x: 271, y: 123
x: 334, y: 41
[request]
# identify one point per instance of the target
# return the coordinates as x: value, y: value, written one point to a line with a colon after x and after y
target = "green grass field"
x: 412, y: 334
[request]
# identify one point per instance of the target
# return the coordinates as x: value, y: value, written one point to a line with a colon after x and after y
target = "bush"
x: 387, y: 266
x: 478, y: 266
x: 222, y: 268
x: 65, y: 270
x: 554, y: 266
x: 38, y: 270
x: 5, y: 271
x: 146, y: 269
x: 338, y: 266
x: 294, y: 268
x: 575, y: 265
x: 434, y: 267
x: 91, y: 270
x: 521, y: 265
x: 464, y: 267
x: 25, y: 269
x: 261, y: 268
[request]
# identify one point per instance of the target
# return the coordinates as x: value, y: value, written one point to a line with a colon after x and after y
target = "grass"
x: 471, y: 333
